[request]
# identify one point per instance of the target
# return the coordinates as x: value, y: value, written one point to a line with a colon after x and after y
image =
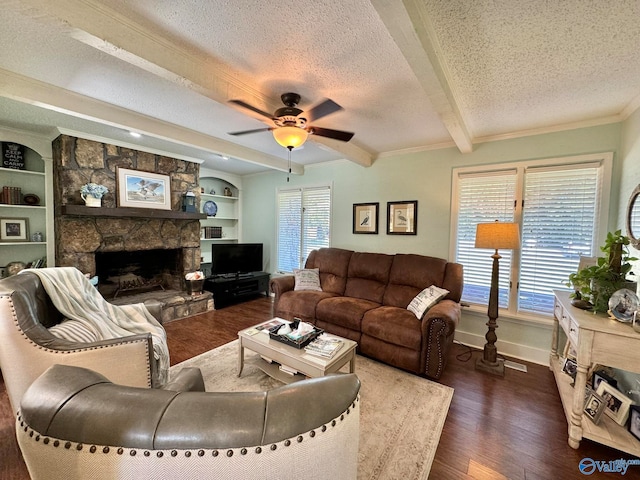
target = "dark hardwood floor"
x: 512, y: 427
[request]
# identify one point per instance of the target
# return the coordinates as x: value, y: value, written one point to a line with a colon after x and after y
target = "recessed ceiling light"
x: 135, y: 134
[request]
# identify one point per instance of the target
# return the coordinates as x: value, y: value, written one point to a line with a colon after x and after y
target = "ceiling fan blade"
x: 252, y: 108
x: 322, y: 110
x: 327, y: 132
x: 246, y: 132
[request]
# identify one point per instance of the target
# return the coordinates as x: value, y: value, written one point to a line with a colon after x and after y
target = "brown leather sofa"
x: 75, y: 424
x: 364, y: 298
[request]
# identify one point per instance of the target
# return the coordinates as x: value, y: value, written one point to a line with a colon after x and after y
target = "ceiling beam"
x: 411, y: 29
x: 115, y: 34
x: 44, y: 95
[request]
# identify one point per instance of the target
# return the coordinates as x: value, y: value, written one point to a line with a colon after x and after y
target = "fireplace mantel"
x: 84, y: 211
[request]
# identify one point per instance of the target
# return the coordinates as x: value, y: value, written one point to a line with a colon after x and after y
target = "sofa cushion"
x: 426, y: 299
x: 344, y: 311
x: 409, y: 275
x: 307, y: 279
x: 368, y: 276
x: 333, y: 264
x: 300, y: 304
x: 393, y: 325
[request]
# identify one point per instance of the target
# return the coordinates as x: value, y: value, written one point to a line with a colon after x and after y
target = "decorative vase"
x: 91, y: 201
x: 194, y: 287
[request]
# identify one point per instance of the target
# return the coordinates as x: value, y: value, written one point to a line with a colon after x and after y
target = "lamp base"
x: 496, y: 368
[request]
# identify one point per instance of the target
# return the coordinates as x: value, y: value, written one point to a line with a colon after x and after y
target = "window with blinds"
x: 304, y: 220
x: 560, y: 211
x: 483, y: 198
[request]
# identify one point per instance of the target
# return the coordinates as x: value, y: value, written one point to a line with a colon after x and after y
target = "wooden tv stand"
x: 230, y: 289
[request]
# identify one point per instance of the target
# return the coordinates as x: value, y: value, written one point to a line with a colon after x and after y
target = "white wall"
x: 426, y: 177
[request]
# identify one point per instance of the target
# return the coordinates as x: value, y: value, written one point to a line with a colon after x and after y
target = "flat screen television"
x: 235, y: 258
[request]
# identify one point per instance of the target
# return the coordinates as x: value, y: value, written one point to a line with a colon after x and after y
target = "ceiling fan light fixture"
x: 290, y: 137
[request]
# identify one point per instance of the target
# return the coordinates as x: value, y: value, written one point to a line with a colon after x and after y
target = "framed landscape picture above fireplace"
x: 143, y: 189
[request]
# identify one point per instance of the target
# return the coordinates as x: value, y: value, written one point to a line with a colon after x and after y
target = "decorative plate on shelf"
x: 622, y: 304
x: 210, y: 208
x: 31, y: 199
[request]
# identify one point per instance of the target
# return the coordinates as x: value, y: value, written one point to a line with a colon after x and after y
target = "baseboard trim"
x: 514, y: 350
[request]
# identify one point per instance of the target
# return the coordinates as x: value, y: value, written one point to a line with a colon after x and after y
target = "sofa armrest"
x: 438, y: 329
x: 448, y: 310
x: 279, y: 285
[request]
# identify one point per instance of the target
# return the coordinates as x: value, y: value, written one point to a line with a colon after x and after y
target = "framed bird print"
x: 365, y: 218
x: 143, y: 189
x: 402, y: 218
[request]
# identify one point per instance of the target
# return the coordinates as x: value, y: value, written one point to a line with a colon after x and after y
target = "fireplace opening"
x: 127, y: 273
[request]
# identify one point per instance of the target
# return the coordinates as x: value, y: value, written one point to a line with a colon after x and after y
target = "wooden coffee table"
x: 294, y: 359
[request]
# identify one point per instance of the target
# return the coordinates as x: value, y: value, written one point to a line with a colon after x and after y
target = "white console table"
x: 597, y: 339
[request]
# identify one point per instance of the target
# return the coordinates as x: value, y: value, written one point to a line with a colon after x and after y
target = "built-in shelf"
x: 84, y: 211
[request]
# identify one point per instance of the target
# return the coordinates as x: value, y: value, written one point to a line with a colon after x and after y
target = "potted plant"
x: 596, y: 284
x: 92, y: 194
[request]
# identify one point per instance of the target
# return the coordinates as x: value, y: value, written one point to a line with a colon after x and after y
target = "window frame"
x: 301, y: 189
x: 605, y: 159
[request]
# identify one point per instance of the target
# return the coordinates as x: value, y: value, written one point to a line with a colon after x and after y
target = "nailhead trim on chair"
x: 174, y: 453
x: 62, y: 352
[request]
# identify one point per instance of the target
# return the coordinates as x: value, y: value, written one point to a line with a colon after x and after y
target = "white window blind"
x: 559, y: 220
x: 560, y: 210
x: 483, y: 198
x: 304, y: 220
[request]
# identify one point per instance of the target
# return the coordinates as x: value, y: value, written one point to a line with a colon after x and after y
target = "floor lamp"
x: 494, y: 235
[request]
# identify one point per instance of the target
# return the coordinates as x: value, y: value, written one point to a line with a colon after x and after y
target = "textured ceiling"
x: 411, y: 76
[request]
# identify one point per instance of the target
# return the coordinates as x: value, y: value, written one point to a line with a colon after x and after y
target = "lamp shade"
x: 290, y: 137
x: 498, y: 235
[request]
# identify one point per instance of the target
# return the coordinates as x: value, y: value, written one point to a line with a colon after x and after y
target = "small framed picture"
x: 14, y: 229
x: 365, y: 218
x: 402, y: 218
x: 570, y: 367
x: 143, y: 189
x: 594, y: 405
x: 634, y: 421
x: 617, y: 403
x: 602, y: 376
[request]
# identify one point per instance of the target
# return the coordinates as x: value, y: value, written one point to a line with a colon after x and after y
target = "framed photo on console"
x: 617, y: 403
x: 634, y: 421
x: 594, y: 405
x: 143, y: 189
x: 365, y: 218
x: 402, y: 218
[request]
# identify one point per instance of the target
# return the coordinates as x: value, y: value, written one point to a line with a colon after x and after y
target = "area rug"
x: 401, y: 415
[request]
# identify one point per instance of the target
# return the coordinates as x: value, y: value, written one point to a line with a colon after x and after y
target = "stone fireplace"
x: 123, y: 245
x: 126, y: 273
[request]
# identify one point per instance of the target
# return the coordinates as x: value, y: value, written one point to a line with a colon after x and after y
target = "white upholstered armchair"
x: 27, y: 348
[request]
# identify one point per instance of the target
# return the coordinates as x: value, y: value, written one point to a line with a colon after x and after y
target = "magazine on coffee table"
x: 266, y: 326
x: 324, y: 346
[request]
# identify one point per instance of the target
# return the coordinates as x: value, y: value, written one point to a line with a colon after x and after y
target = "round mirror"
x: 633, y: 218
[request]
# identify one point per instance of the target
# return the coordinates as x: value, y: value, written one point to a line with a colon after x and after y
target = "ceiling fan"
x: 291, y: 124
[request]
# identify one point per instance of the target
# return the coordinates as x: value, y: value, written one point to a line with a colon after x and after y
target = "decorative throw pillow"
x: 426, y: 299
x: 307, y: 279
x: 74, y: 331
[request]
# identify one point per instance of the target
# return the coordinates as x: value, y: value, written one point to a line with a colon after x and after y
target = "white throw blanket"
x: 75, y: 297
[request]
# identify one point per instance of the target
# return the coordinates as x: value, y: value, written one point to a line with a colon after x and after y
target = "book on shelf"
x: 324, y: 346
x: 288, y: 370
